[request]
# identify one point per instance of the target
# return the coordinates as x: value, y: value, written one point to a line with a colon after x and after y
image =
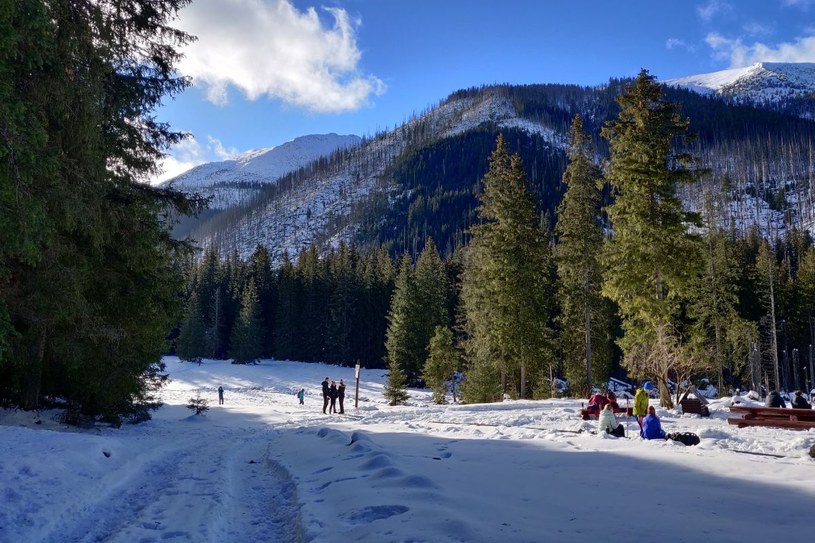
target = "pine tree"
x: 430, y: 299
x: 90, y: 272
x: 650, y: 257
x: 247, y: 334
x: 585, y: 315
x: 507, y: 286
x: 441, y: 362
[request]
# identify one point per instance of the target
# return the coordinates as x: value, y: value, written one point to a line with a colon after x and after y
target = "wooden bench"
x: 585, y: 415
x: 774, y: 417
x: 692, y: 405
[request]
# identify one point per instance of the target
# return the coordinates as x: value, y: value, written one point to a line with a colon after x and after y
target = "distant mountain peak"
x: 762, y: 82
x: 229, y: 182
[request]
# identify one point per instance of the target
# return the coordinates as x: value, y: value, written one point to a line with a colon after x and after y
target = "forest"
x: 606, y: 273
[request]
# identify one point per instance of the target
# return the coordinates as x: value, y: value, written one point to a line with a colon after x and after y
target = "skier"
x: 220, y: 395
x: 301, y: 395
x: 341, y: 396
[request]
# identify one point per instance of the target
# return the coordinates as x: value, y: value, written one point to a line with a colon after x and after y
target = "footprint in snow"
x: 375, y: 512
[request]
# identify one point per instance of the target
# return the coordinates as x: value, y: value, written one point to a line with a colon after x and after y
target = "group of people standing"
x: 332, y: 393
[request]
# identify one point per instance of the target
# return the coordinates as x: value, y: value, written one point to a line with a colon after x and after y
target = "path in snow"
x: 222, y: 487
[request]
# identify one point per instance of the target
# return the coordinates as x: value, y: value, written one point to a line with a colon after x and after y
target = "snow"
x: 231, y: 182
x: 763, y: 82
x: 263, y: 468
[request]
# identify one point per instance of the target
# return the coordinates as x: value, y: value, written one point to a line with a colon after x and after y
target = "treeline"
x: 326, y: 309
x: 627, y: 281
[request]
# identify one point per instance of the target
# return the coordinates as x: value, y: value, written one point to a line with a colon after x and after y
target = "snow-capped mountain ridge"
x: 760, y: 83
x: 327, y: 202
x: 231, y: 182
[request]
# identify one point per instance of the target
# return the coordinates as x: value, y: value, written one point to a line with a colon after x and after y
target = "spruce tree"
x: 402, y: 344
x: 90, y: 272
x: 247, y: 334
x: 507, y: 285
x: 585, y: 315
x: 442, y: 360
x: 650, y: 257
x: 191, y: 343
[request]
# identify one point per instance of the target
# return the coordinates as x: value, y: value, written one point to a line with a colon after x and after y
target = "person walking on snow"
x: 220, y: 395
x: 325, y: 394
x: 341, y: 396
x: 301, y: 395
x: 641, y: 401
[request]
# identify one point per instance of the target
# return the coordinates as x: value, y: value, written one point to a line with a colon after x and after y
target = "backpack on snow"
x: 619, y: 431
x: 686, y: 438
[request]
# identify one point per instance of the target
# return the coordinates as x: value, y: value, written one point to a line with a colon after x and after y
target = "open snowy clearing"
x: 263, y: 468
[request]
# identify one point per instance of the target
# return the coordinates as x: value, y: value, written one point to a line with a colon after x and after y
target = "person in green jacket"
x: 641, y: 401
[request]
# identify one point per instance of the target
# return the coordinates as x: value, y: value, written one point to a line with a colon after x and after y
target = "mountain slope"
x: 762, y: 83
x: 231, y: 182
x: 422, y: 178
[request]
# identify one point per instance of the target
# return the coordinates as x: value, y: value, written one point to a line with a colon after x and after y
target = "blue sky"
x: 268, y: 71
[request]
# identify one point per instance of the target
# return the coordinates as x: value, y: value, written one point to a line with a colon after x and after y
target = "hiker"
x: 774, y: 399
x: 651, y: 427
x: 325, y: 394
x: 332, y: 394
x: 611, y: 398
x: 596, y: 403
x: 609, y: 424
x: 341, y: 396
x: 641, y: 401
x: 220, y: 395
x: 301, y: 396
x: 799, y: 402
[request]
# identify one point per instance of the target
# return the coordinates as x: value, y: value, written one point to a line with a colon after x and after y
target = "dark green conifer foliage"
x: 507, y: 286
x: 90, y: 277
x: 286, y: 312
x: 247, y: 334
x: 650, y: 258
x: 191, y: 343
x: 585, y: 315
x: 402, y: 344
x: 442, y: 360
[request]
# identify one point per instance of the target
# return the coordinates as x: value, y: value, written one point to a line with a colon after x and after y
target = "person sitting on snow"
x: 608, y: 422
x: 799, y: 402
x: 651, y: 427
x: 774, y: 399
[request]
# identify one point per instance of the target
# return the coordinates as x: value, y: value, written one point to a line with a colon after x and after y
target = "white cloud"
x: 676, y: 43
x: 712, y: 8
x: 269, y: 48
x: 190, y: 153
x: 740, y: 54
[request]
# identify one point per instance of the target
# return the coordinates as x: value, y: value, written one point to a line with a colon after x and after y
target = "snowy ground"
x: 263, y: 468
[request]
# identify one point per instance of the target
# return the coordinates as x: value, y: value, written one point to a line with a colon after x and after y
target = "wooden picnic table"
x: 774, y: 417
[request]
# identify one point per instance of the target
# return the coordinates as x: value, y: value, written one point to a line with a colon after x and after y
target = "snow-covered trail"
x: 210, y: 485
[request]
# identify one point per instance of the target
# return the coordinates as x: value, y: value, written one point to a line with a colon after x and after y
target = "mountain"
x: 422, y: 178
x: 763, y: 83
x: 231, y: 182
